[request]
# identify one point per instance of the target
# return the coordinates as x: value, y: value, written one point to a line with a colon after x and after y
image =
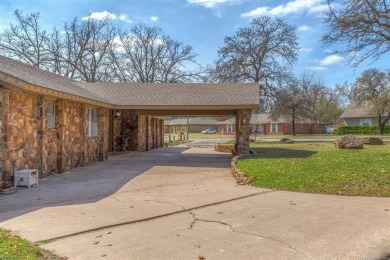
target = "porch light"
x: 117, y: 113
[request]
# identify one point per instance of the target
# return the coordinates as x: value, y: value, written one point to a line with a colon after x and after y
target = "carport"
x: 54, y: 124
x: 136, y: 122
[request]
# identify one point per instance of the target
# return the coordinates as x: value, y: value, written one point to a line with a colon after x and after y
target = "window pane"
x: 92, y: 122
x: 50, y: 114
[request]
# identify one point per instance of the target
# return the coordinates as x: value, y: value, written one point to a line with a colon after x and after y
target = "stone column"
x: 60, y: 123
x: 243, y: 117
x: 41, y: 129
x: 149, y: 126
x: 142, y: 133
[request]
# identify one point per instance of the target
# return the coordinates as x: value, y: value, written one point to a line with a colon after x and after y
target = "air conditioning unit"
x: 26, y: 178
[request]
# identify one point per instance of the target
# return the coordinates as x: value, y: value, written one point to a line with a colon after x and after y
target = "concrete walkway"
x: 180, y: 203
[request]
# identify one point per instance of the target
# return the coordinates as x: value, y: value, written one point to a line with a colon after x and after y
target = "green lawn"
x: 16, y: 248
x: 320, y: 168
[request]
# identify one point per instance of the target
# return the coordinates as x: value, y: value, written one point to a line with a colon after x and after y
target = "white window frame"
x: 92, y: 122
x: 366, y: 121
x: 51, y: 114
x: 229, y: 128
x: 271, y: 127
x: 257, y: 128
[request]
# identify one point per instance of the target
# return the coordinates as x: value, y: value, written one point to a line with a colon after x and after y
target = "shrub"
x: 366, y: 130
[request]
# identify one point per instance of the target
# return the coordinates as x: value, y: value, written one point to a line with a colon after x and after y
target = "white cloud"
x: 100, y: 16
x: 209, y: 3
x: 107, y: 15
x: 331, y: 60
x: 125, y: 18
x: 154, y: 18
x: 292, y: 7
x: 303, y: 28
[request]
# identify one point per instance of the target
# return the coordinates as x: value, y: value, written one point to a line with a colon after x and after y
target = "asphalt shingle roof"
x: 356, y: 110
x: 38, y: 77
x: 136, y: 94
x: 176, y: 94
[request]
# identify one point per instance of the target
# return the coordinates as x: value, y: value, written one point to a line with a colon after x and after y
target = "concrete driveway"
x: 182, y: 203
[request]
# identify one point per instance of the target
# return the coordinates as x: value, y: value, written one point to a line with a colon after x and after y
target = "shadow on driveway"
x: 102, y: 179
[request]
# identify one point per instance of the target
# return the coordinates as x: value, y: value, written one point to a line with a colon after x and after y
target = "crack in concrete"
x: 155, y: 217
x: 195, y: 219
x: 169, y: 203
x: 118, y: 200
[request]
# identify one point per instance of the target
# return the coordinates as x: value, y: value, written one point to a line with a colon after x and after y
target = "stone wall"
x: 133, y: 132
x: 20, y: 122
x: 27, y: 143
x: 150, y: 133
x: 125, y: 132
x: 243, y: 117
x: 142, y: 133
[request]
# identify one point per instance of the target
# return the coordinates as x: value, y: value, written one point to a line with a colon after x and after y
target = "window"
x: 365, y: 121
x: 51, y: 114
x: 229, y: 128
x: 257, y: 128
x: 274, y: 127
x: 92, y: 122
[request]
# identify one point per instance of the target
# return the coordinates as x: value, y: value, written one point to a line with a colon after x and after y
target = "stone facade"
x: 134, y: 132
x: 243, y: 117
x: 28, y: 143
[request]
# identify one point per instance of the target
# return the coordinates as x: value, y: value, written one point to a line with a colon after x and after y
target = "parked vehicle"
x: 330, y: 129
x: 209, y: 131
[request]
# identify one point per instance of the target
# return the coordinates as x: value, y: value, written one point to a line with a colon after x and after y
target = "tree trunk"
x: 382, y: 123
x: 293, y: 126
x: 381, y: 129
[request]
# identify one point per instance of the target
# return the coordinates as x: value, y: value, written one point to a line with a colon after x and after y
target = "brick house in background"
x: 262, y: 124
x: 195, y: 125
x: 53, y: 124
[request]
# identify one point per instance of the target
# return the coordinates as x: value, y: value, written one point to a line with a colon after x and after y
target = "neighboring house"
x: 53, y: 124
x: 262, y: 124
x: 195, y: 125
x: 359, y: 115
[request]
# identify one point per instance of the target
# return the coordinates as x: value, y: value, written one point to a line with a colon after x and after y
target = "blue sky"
x: 204, y: 23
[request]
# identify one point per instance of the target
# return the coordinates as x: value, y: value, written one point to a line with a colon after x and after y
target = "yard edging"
x: 241, y: 178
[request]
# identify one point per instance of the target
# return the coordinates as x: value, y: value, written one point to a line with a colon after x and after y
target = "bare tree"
x: 86, y: 49
x: 288, y: 103
x: 148, y: 55
x: 306, y: 98
x: 346, y: 93
x: 374, y: 86
x: 321, y: 104
x: 25, y: 40
x: 362, y: 26
x: 263, y: 53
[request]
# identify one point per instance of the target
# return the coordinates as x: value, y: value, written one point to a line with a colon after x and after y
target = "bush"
x: 365, y: 130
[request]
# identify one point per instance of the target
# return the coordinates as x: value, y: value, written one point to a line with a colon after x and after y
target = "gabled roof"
x: 356, y: 110
x: 17, y: 71
x: 191, y: 121
x: 175, y: 94
x: 123, y: 95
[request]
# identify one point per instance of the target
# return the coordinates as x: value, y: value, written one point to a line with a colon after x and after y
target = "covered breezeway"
x: 139, y: 127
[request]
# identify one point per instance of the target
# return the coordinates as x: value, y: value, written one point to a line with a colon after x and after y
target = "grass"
x: 320, y: 168
x: 16, y: 248
x: 311, y: 136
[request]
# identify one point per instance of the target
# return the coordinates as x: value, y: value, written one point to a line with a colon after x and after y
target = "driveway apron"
x: 182, y: 203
